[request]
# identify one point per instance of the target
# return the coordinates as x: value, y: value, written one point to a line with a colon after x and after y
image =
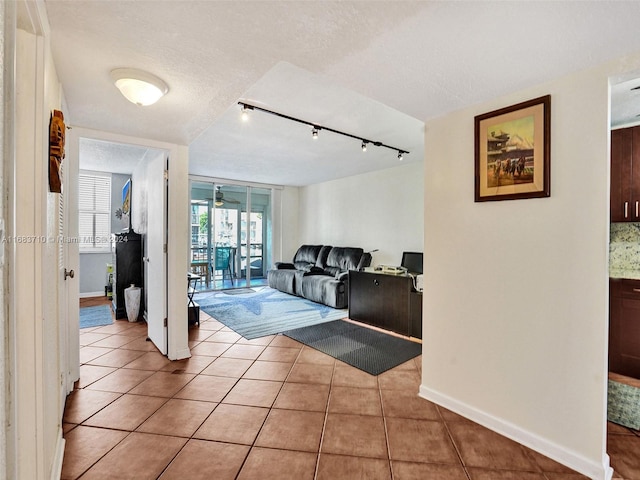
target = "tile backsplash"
x: 624, y: 247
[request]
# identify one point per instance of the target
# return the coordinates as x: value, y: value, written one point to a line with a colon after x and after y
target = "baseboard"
x: 92, y: 294
x: 569, y: 458
x: 58, y: 457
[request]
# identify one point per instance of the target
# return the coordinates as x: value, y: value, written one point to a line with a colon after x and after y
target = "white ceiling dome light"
x: 139, y: 87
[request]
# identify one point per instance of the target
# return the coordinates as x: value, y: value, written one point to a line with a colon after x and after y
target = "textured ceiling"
x: 101, y: 156
x: 275, y: 150
x: 404, y: 61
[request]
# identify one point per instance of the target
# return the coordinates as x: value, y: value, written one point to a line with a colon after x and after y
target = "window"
x: 94, y: 205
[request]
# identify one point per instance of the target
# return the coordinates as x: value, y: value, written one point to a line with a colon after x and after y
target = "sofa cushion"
x: 322, y: 256
x: 342, y: 259
x: 306, y: 257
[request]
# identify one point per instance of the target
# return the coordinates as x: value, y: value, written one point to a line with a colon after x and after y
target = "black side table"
x: 193, y: 308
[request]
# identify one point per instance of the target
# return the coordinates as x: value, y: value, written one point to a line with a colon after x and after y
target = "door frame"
x: 177, y: 212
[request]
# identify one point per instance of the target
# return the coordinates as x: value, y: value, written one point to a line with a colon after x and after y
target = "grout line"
x: 253, y: 444
x: 326, y: 416
x: 455, y: 446
x: 386, y: 431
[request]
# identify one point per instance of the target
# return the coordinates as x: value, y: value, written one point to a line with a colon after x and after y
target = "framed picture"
x: 126, y: 198
x: 512, y: 152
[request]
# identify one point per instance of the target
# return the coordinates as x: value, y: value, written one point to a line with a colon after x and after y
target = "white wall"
x: 516, y: 292
x: 93, y: 273
x: 378, y: 210
x: 139, y: 197
x: 6, y: 120
x: 35, y: 443
x: 285, y: 234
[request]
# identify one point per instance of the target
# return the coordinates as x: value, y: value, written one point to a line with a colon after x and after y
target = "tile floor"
x: 272, y: 408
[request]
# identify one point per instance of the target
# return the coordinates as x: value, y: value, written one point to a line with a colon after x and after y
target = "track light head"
x: 400, y: 157
x: 314, y: 133
x: 245, y: 112
x: 364, y: 146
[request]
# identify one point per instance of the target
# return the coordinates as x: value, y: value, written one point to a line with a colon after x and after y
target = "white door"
x: 156, y: 254
x: 68, y: 266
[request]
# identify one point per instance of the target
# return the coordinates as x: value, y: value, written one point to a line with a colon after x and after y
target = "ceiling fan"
x: 219, y: 200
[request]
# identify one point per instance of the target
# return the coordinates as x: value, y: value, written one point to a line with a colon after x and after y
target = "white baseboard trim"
x: 92, y: 294
x: 529, y: 439
x: 58, y: 457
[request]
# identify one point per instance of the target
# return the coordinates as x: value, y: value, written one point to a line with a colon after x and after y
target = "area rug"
x: 238, y: 291
x: 95, y: 316
x: 364, y: 348
x: 265, y: 312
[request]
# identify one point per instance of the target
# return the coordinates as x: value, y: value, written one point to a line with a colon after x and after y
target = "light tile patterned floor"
x: 272, y: 408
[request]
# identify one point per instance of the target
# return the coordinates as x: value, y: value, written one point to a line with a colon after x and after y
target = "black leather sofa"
x: 319, y: 273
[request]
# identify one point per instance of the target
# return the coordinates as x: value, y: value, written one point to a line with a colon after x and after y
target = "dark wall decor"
x: 56, y: 150
x: 512, y: 152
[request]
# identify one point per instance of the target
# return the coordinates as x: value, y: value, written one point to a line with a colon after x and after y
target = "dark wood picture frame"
x: 513, y: 152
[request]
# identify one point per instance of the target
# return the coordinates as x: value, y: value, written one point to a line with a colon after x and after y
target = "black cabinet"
x: 415, y: 314
x: 385, y: 301
x: 624, y: 327
x: 129, y: 269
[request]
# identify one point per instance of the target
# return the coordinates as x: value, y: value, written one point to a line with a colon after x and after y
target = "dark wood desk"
x: 386, y: 301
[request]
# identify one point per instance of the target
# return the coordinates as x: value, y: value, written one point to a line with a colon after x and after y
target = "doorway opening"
x: 231, y: 234
x: 624, y: 265
x: 122, y: 235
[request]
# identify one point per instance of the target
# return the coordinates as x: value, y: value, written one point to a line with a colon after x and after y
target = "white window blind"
x: 94, y: 205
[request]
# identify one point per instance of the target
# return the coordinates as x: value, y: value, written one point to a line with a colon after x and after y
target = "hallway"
x: 272, y: 408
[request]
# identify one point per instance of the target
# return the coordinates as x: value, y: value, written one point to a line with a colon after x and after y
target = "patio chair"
x: 222, y: 262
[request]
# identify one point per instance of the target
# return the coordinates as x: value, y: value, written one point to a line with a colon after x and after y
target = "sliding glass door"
x: 232, y: 249
x: 256, y: 235
x: 201, y: 234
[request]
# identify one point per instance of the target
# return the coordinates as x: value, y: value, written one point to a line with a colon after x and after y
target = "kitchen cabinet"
x: 625, y: 175
x: 624, y: 327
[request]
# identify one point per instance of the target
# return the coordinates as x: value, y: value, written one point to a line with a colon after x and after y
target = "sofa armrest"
x: 284, y: 266
x: 342, y: 276
x: 365, y: 261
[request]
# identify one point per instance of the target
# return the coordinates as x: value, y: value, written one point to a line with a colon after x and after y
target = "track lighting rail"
x: 247, y: 107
